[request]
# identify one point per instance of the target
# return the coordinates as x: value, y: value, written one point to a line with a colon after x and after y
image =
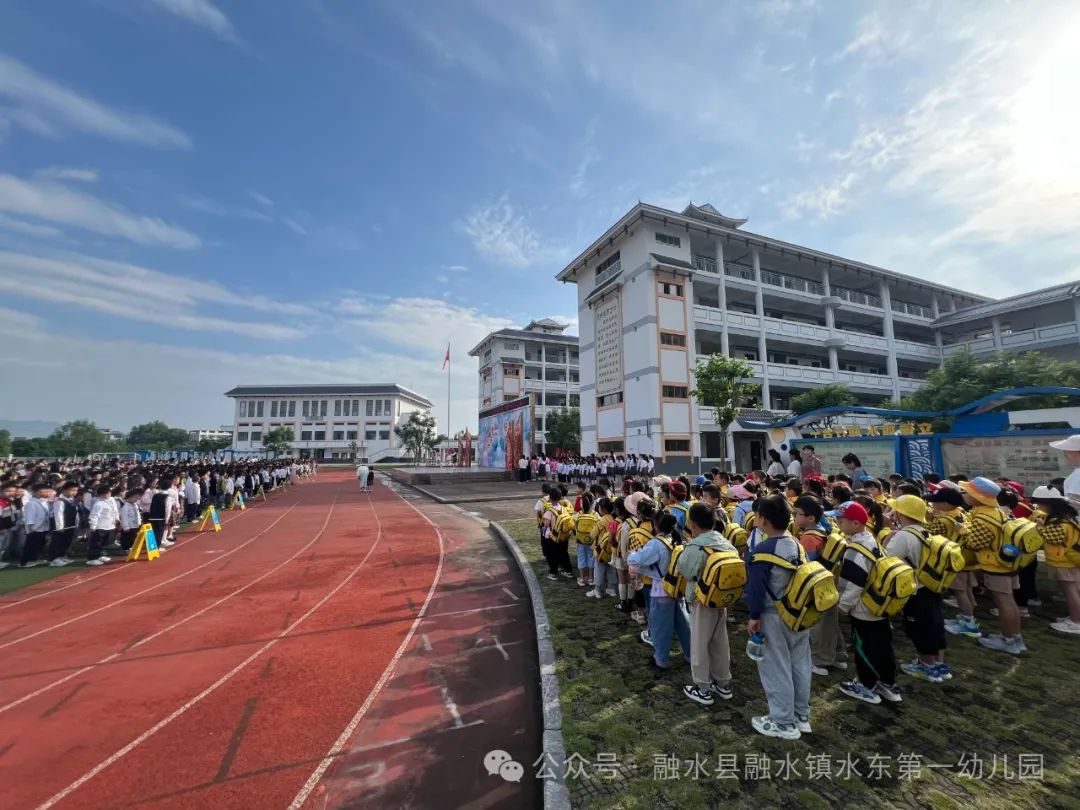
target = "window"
x: 242, y: 436
x: 307, y: 407
x: 386, y: 408
x: 370, y: 434
x: 512, y: 372
x: 273, y: 409
x: 292, y: 407
x: 339, y: 435
x: 668, y: 339
x: 305, y: 435
x: 256, y: 435
x: 322, y: 409
x: 337, y: 407
x: 609, y: 399
x: 511, y: 347
x: 664, y: 239
x: 243, y: 407
x: 540, y: 423
x: 370, y: 406
x: 356, y: 407
x: 667, y: 288
x: 260, y: 408
x: 350, y: 435
x: 378, y: 407
x: 676, y: 445
x: 319, y: 435
x: 610, y: 263
x: 674, y: 392
x: 610, y: 447
x: 384, y: 434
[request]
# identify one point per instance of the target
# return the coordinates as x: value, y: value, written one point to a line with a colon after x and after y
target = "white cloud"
x: 70, y: 173
x: 876, y: 39
x: 822, y: 201
x: 295, y: 227
x: 217, y: 209
x: 455, y: 268
x: 504, y: 237
x: 45, y: 107
x: 27, y: 228
x: 202, y: 13
x: 261, y: 199
x: 56, y: 203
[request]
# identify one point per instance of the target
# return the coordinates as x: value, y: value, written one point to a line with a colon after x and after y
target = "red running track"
x: 222, y: 673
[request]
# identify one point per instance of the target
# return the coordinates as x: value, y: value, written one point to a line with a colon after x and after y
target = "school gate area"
x: 327, y: 649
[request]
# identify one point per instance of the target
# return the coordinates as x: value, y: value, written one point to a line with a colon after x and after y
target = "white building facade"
x: 327, y: 421
x: 538, y: 360
x: 661, y: 288
x: 210, y: 434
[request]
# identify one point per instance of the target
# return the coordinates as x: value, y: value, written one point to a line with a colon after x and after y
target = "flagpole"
x: 448, y: 361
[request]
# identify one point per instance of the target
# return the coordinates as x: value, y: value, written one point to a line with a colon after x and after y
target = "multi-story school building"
x: 660, y: 288
x: 327, y: 420
x: 538, y: 360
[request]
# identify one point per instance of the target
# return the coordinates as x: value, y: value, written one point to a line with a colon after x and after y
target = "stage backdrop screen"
x: 506, y: 434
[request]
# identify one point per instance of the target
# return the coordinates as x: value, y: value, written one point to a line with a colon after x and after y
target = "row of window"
x: 666, y: 239
x: 283, y: 408
x: 669, y: 288
x: 670, y: 446
x: 670, y: 339
x: 319, y: 435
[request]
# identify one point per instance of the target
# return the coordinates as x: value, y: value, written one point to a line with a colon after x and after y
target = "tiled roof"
x: 348, y: 389
x: 670, y: 262
x: 1069, y: 289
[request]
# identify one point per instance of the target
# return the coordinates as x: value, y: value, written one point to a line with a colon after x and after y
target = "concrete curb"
x: 427, y: 493
x: 556, y: 794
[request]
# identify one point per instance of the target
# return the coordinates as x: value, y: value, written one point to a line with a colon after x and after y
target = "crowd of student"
x: 801, y: 551
x: 588, y: 468
x: 48, y: 509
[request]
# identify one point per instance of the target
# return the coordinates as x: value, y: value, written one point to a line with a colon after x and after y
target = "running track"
x: 239, y: 669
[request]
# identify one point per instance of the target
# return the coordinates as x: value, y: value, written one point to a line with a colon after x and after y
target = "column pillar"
x: 830, y: 320
x: 935, y: 309
x: 886, y: 304
x: 724, y: 341
x: 1076, y: 313
x: 995, y: 323
x: 763, y: 349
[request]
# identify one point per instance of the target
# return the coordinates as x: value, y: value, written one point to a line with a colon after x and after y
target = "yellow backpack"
x: 890, y: 582
x: 1067, y: 554
x: 736, y: 535
x: 564, y: 527
x: 722, y: 580
x: 602, y: 545
x: 584, y: 525
x: 674, y: 583
x: 940, y: 560
x: 810, y: 592
x: 748, y: 522
x: 640, y: 534
x: 1020, y: 533
x: 1024, y: 534
x: 832, y: 549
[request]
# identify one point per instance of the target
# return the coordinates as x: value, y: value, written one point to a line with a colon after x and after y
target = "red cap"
x: 678, y: 490
x: 853, y: 511
x: 1016, y: 487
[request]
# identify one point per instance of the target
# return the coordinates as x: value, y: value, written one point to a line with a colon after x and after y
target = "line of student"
x: 677, y: 556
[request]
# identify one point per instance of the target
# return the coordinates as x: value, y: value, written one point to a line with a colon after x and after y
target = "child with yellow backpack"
x: 667, y: 615
x: 827, y: 645
x: 584, y: 523
x: 1060, y: 530
x: 604, y: 539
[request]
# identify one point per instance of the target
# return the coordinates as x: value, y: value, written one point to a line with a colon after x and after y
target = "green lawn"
x: 996, y: 705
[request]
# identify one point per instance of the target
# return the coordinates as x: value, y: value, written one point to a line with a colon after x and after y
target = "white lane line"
x: 425, y: 641
x: 473, y: 610
x: 448, y: 702
x: 422, y: 735
x: 173, y: 626
x: 84, y: 580
x: 350, y: 727
x: 146, y: 735
x: 510, y: 593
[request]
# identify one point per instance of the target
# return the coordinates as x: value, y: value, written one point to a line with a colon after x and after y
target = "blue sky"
x: 201, y: 193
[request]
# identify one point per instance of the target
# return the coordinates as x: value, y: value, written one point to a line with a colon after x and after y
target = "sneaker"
x: 59, y: 562
x: 645, y: 639
x: 1034, y: 603
x: 839, y: 665
x: 639, y: 618
x: 621, y: 606
x: 656, y: 666
x: 995, y: 641
x: 803, y: 724
x: 722, y: 690
x: 612, y: 593
x: 581, y: 582
x: 891, y: 692
x: 567, y: 574
x: 923, y: 672
x: 94, y: 562
x: 3, y: 565
x: 1023, y: 612
x: 167, y: 543
x: 963, y: 626
x: 819, y: 671
x: 592, y: 595
x: 105, y: 559
x: 1067, y: 626
x: 698, y: 695
x: 943, y: 671
x: 764, y: 725
x: 855, y: 689
x: 948, y: 600
x: 32, y: 564
x: 552, y: 577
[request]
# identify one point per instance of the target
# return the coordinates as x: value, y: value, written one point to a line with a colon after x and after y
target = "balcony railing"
x: 608, y: 273
x: 918, y: 310
x: 1022, y: 339
x: 855, y: 297
x: 705, y: 264
x: 792, y: 283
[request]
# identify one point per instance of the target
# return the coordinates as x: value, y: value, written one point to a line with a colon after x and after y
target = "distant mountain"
x: 28, y: 429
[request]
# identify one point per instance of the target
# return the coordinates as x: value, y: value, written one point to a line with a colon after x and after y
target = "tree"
x: 354, y: 448
x: 279, y: 440
x: 963, y: 378
x: 79, y: 438
x: 5, y: 443
x: 824, y: 397
x: 32, y: 448
x: 418, y: 434
x: 157, y: 435
x: 563, y: 431
x: 212, y: 445
x: 722, y: 384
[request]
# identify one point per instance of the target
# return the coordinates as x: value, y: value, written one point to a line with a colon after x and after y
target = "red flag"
x: 446, y: 359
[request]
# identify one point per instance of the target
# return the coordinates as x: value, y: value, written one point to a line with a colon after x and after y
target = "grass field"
x: 996, y: 706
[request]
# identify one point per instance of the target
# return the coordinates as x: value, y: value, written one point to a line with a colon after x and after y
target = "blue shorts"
x: 585, y: 558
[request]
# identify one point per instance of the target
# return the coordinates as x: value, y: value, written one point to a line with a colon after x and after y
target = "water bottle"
x: 1008, y: 553
x: 755, y: 647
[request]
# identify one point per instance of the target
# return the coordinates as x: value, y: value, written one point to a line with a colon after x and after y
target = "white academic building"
x: 326, y: 420
x: 660, y: 288
x: 538, y: 360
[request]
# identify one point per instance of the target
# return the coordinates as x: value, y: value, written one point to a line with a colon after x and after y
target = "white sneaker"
x: 59, y: 562
x: 1024, y: 614
x: 4, y: 565
x: 948, y: 600
x: 612, y: 592
x: 105, y: 559
x: 819, y: 671
x: 764, y: 725
x: 592, y: 595
x: 891, y: 692
x: 94, y: 562
x: 1067, y: 626
x: 803, y: 724
x: 167, y: 543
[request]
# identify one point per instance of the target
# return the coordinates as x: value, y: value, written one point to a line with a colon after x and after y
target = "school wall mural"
x: 506, y: 434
